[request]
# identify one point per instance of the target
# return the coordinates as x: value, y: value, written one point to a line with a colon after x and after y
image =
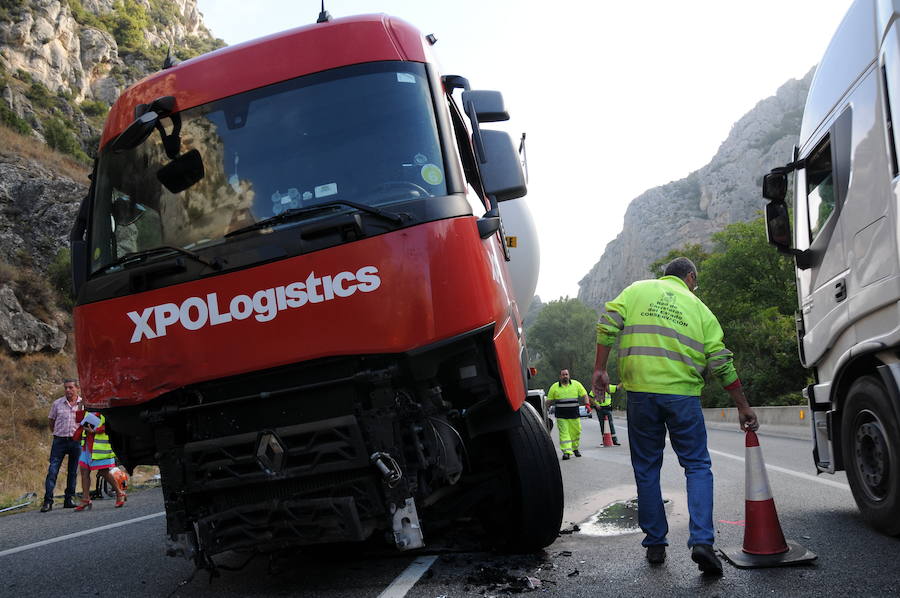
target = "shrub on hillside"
x: 33, y: 291
x: 60, y: 276
x: 39, y: 95
x: 94, y: 108
x: 10, y: 9
x: 12, y: 120
x: 127, y: 23
x: 62, y: 139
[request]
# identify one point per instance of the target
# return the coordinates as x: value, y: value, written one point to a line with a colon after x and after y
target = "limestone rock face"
x: 21, y: 332
x: 37, y: 209
x: 64, y: 64
x: 690, y: 210
x: 46, y: 41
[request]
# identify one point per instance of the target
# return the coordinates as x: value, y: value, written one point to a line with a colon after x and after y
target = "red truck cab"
x: 285, y: 300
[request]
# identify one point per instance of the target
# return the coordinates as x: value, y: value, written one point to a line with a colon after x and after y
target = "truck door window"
x: 820, y: 196
x: 890, y: 76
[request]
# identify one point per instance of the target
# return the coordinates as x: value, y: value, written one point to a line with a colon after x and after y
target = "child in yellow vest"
x: 96, y: 455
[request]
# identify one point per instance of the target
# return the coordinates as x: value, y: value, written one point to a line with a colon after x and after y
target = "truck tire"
x: 530, y: 516
x: 870, y: 440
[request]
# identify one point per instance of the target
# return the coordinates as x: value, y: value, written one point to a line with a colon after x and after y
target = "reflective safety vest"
x: 607, y: 398
x: 102, y: 448
x: 669, y: 338
x: 566, y: 398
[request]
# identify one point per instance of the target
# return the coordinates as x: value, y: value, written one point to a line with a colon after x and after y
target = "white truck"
x: 846, y: 245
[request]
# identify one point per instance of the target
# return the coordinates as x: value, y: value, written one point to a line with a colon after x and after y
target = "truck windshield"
x: 364, y: 133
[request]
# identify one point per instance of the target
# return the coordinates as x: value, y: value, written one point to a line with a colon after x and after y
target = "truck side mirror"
x: 778, y: 233
x: 501, y: 172
x: 775, y: 186
x: 489, y: 107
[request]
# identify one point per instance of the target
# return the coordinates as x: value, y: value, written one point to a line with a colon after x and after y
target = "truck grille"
x: 278, y: 523
x: 315, y: 448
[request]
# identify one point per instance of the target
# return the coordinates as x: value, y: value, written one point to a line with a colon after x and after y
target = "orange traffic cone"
x: 764, y: 542
x: 607, y: 437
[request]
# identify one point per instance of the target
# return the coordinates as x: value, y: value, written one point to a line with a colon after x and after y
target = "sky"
x: 615, y: 97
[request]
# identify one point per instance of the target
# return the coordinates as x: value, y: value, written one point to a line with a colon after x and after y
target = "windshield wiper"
x: 139, y: 256
x: 300, y: 213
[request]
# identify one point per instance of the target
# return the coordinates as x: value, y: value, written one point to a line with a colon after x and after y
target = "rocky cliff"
x: 62, y: 63
x: 38, y: 203
x: 690, y: 210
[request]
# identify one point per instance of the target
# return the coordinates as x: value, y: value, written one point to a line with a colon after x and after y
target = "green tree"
x: 747, y: 274
x: 750, y: 288
x: 693, y: 252
x: 563, y: 336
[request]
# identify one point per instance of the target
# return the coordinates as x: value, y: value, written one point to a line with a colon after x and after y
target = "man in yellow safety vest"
x: 604, y: 410
x: 566, y: 396
x: 668, y: 339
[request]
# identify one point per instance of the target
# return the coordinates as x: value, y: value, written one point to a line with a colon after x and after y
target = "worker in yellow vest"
x: 668, y: 340
x: 566, y: 396
x: 604, y: 410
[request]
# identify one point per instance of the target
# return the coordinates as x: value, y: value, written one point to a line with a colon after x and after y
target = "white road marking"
x: 797, y: 474
x: 79, y: 534
x: 406, y: 580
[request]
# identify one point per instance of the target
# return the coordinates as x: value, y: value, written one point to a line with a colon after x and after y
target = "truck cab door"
x: 820, y: 194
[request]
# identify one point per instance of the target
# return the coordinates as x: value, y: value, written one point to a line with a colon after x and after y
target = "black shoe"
x: 656, y: 554
x: 706, y: 559
x: 48, y: 504
x: 616, y: 442
x: 566, y: 456
x: 577, y: 453
x: 69, y: 502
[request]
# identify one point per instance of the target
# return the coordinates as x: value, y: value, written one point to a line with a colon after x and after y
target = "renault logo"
x: 270, y: 453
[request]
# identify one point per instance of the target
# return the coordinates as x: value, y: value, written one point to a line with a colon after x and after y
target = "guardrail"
x: 792, y: 420
x: 792, y: 415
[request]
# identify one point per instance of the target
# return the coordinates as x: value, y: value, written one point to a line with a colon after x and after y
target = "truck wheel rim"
x: 872, y: 457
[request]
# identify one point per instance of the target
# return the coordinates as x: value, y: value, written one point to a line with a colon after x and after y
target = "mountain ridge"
x: 691, y: 209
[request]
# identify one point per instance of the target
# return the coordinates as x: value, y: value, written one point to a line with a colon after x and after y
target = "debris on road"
x: 495, y: 579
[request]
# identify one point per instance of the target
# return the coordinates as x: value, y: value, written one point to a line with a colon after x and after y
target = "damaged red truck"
x: 294, y: 296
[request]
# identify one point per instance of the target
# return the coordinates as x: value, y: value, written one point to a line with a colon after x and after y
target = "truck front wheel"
x: 870, y: 438
x: 528, y: 518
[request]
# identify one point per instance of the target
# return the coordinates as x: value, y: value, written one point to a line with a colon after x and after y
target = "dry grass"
x: 30, y: 384
x: 29, y: 147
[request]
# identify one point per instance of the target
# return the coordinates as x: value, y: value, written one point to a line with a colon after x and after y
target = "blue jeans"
x: 62, y: 447
x: 649, y: 414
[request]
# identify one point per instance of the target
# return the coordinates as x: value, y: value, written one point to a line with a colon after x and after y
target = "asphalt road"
x: 120, y: 552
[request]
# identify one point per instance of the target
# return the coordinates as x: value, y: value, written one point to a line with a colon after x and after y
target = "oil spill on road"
x: 616, y: 519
